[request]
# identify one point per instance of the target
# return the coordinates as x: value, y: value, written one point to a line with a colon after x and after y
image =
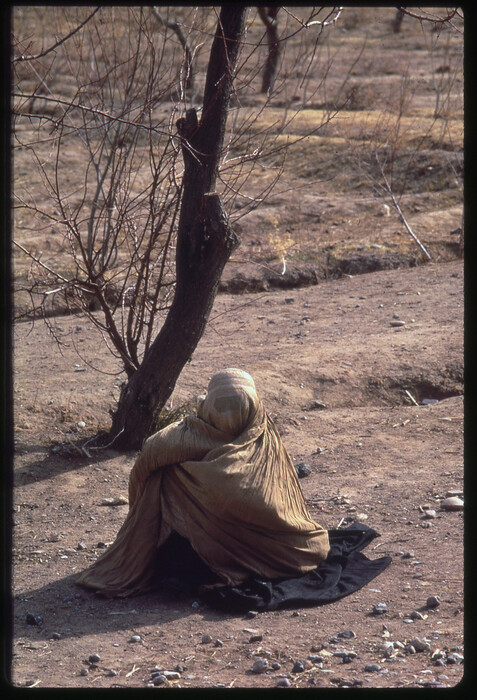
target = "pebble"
x: 81, y: 424
x: 346, y: 634
x: 80, y: 546
x: 372, y: 668
x: 455, y: 658
x: 303, y: 470
x: 251, y: 614
x: 298, y: 667
x: 112, y: 672
x: 135, y: 638
x: 32, y: 619
x: 344, y: 653
x: 283, y: 683
x: 455, y: 492
x: 206, y: 639
x: 260, y: 665
x: 452, y: 503
x: 219, y: 643
x: 396, y: 323
x: 317, y: 405
x: 419, y: 645
x: 276, y: 666
x: 315, y: 659
x: 416, y: 615
x: 433, y: 601
x: 379, y: 609
x: 84, y: 672
x: 256, y: 638
x: 94, y: 658
x: 160, y: 679
x: 430, y: 514
x: 55, y: 635
x: 171, y: 675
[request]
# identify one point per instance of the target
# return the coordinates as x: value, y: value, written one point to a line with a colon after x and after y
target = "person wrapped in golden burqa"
x: 223, y: 480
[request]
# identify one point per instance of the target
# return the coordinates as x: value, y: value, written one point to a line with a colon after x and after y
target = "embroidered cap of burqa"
x: 224, y: 480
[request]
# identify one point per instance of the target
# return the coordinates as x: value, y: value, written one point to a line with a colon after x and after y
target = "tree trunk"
x: 268, y: 15
x: 204, y: 244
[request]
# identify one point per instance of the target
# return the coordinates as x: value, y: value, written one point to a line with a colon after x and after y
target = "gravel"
x: 260, y: 665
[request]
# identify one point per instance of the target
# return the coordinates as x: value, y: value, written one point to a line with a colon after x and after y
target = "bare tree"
x: 147, y: 237
x: 204, y: 241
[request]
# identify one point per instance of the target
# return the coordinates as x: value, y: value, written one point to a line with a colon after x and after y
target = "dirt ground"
x: 373, y: 454
x: 357, y: 353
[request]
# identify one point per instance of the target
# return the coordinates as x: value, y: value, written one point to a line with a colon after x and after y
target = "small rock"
x: 455, y: 658
x: 81, y: 424
x: 343, y: 653
x: 255, y: 638
x: 407, y: 555
x: 260, y: 665
x: 416, y: 615
x: 289, y: 300
x: 430, y: 514
x: 80, y: 546
x: 101, y: 545
x: 303, y: 470
x: 135, y: 638
x: 112, y: 673
x: 36, y: 620
x: 160, y: 679
x: 276, y: 666
x: 55, y: 635
x: 298, y: 667
x: 433, y: 601
x: 316, y: 405
x: 283, y: 683
x: 347, y: 659
x: 455, y: 492
x: 347, y: 634
x: 409, y: 649
x: 94, y: 658
x: 419, y: 645
x: 84, y: 672
x: 180, y: 668
x: 219, y: 643
x: 251, y: 614
x: 452, y: 503
x: 315, y: 659
x: 114, y: 501
x: 379, y: 609
x: 372, y: 668
x: 206, y: 639
x: 396, y: 323
x: 195, y: 605
x: 171, y: 675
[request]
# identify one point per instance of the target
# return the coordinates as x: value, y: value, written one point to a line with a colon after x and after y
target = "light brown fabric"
x: 222, y: 479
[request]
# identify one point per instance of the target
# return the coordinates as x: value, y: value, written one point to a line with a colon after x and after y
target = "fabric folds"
x: 224, y: 481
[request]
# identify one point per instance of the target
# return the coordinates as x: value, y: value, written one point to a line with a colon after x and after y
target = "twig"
x: 411, y: 397
x: 398, y: 208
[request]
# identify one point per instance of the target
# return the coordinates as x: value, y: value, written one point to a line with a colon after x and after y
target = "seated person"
x: 222, y: 482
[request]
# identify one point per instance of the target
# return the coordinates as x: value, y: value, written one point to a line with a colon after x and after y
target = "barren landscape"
x: 355, y: 342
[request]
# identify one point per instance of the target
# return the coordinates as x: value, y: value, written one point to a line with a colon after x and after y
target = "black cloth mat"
x: 345, y: 570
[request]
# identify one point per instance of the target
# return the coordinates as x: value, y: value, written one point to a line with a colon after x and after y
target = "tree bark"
x: 204, y: 244
x: 268, y: 15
